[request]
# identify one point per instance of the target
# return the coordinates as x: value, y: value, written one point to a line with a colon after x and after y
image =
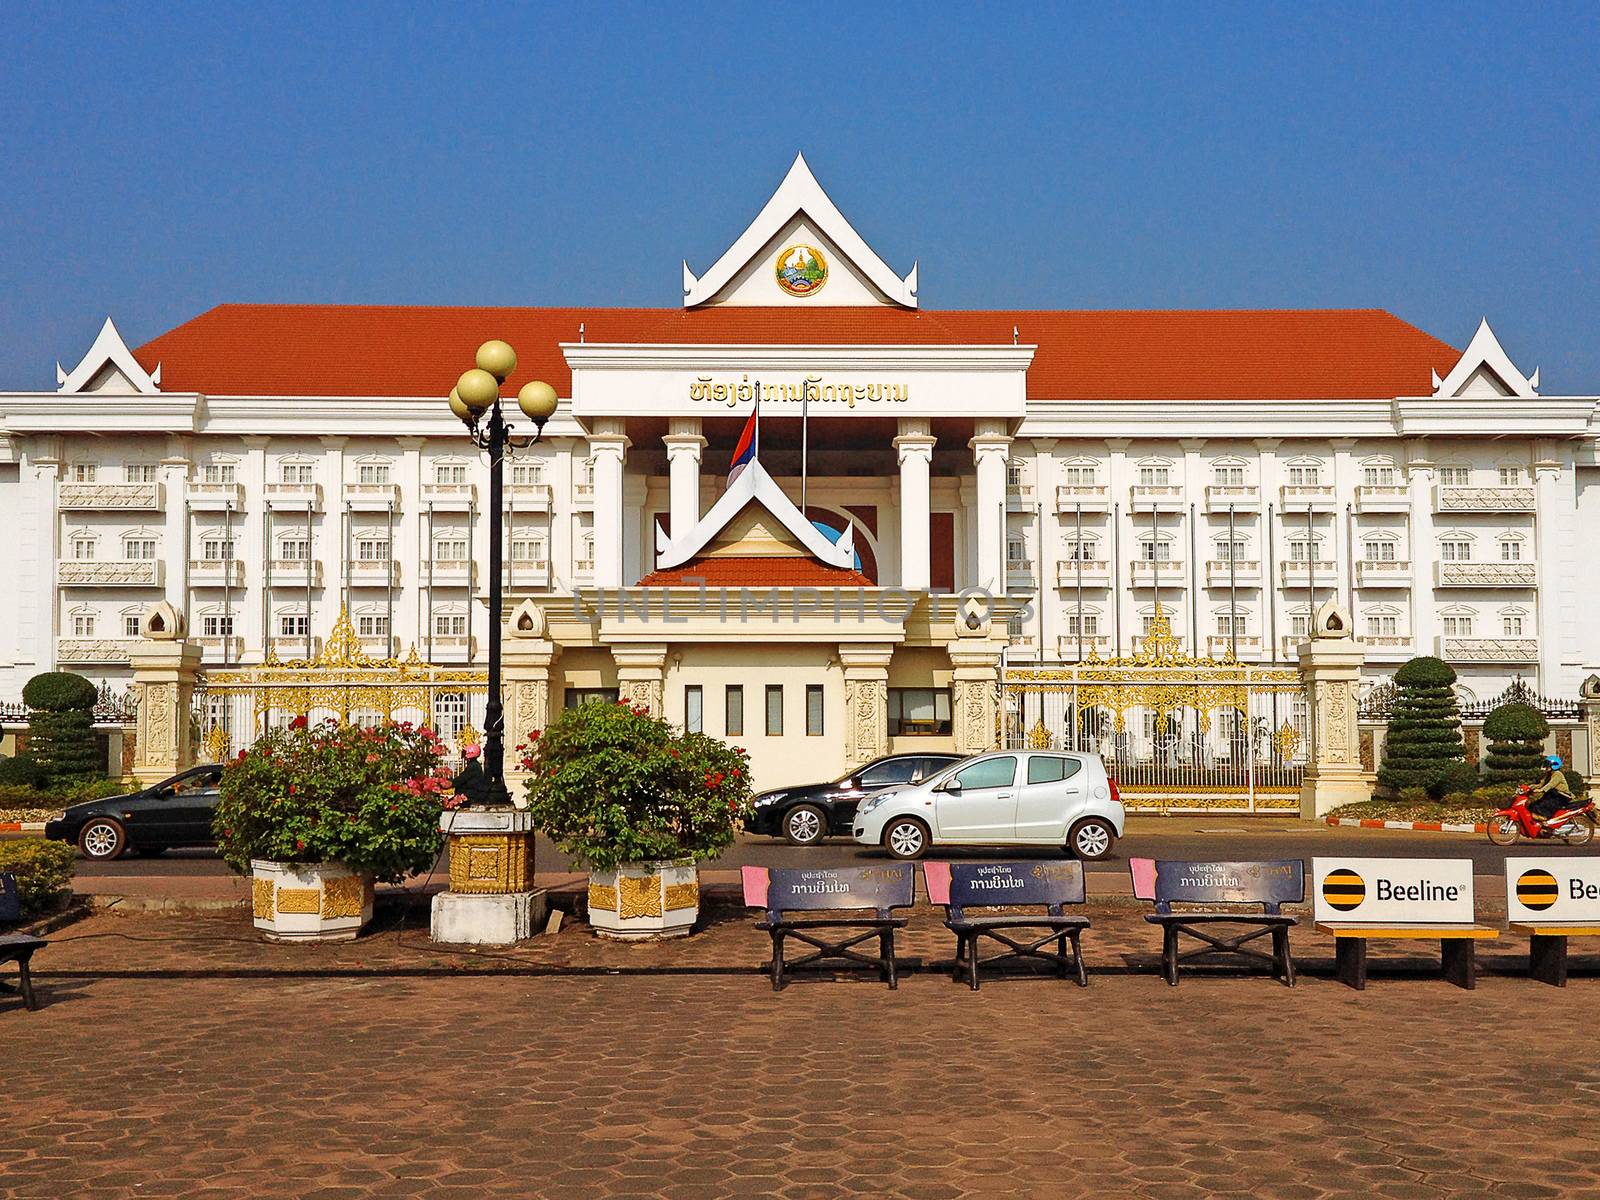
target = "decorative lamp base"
x: 465, y: 918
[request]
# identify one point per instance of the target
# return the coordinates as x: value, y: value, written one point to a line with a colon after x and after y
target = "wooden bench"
x: 1269, y: 884
x: 17, y: 947
x: 831, y: 889
x: 1358, y: 899
x: 959, y: 886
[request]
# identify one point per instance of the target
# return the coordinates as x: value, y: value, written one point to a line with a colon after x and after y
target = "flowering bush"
x: 368, y: 798
x: 611, y: 784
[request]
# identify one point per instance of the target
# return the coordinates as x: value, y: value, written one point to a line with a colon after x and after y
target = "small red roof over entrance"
x: 357, y: 350
x: 738, y: 572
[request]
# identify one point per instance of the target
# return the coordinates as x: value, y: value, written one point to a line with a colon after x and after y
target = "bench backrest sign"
x: 1553, y: 889
x: 1367, y: 891
x: 1265, y: 883
x: 813, y: 889
x: 977, y: 885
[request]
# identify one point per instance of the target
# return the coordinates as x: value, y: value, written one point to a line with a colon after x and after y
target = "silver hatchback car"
x: 1007, y: 798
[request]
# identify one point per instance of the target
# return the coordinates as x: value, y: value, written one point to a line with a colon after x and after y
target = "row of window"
x: 912, y: 711
x: 219, y: 547
x: 1296, y: 474
x: 443, y: 473
x: 1377, y: 622
x: 1379, y: 547
x: 85, y: 624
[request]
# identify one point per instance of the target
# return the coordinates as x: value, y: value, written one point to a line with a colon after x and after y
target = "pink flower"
x: 299, y: 844
x: 299, y: 722
x: 372, y: 758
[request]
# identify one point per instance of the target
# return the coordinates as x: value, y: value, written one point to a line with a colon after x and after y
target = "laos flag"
x: 744, y: 451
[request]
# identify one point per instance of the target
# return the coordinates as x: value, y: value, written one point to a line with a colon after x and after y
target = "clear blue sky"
x: 1442, y: 161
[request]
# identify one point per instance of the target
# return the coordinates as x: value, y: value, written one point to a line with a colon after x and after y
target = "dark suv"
x: 805, y: 815
x: 174, y: 812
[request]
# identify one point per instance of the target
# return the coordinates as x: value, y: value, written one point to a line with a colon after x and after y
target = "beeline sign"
x: 1361, y: 891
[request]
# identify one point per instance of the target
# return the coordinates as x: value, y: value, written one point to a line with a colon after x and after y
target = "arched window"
x: 1155, y: 472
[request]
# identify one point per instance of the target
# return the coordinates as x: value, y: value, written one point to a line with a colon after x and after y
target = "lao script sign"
x: 1366, y: 891
x: 1553, y: 888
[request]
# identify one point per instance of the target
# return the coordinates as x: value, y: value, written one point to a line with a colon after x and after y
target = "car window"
x: 989, y: 773
x: 899, y: 770
x: 1047, y: 768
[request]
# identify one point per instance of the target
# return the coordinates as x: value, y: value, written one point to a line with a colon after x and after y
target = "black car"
x: 174, y: 812
x: 805, y: 815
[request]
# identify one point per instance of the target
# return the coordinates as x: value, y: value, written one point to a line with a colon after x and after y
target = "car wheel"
x: 102, y: 839
x: 1091, y: 839
x: 905, y: 838
x: 804, y: 825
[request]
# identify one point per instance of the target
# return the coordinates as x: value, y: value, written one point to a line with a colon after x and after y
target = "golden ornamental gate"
x: 341, y: 683
x: 1177, y: 733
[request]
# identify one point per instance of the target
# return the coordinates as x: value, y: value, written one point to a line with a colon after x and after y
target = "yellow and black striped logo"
x: 1343, y: 889
x: 1537, y: 890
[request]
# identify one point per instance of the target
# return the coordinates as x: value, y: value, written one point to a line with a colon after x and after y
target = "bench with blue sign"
x: 1050, y: 885
x: 1241, y: 884
x: 17, y: 947
x: 831, y: 889
x: 1552, y: 899
x: 1406, y: 899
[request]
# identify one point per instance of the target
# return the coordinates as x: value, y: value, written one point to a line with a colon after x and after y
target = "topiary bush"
x: 43, y: 871
x: 1424, y: 735
x: 22, y: 772
x: 1516, y: 734
x: 61, y: 725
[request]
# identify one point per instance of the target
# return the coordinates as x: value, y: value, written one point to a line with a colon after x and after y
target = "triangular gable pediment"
x: 109, y: 367
x: 1485, y: 371
x: 754, y: 533
x: 776, y: 261
x: 755, y: 519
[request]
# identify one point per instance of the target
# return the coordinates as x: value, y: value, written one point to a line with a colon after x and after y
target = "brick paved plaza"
x: 179, y: 1056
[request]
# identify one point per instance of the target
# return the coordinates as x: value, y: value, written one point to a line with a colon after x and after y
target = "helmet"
x: 1553, y: 761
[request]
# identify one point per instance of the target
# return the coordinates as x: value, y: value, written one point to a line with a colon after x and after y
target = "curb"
x: 21, y: 826
x: 1414, y: 826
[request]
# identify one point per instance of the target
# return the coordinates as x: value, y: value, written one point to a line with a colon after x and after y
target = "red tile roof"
x: 361, y: 350
x: 755, y: 573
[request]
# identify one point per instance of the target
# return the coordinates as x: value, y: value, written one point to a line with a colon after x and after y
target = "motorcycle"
x: 1575, y: 825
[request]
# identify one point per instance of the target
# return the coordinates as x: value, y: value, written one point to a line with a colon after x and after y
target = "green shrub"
x: 61, y: 726
x: 367, y: 798
x: 610, y: 784
x: 1516, y: 734
x: 21, y: 772
x: 1576, y: 782
x: 1453, y: 779
x: 1424, y: 734
x: 1414, y: 795
x: 60, y: 795
x: 43, y: 871
x: 59, y: 691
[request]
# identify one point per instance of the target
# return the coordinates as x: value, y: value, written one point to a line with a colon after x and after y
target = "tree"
x: 1516, y: 734
x: 61, y: 725
x: 1423, y: 747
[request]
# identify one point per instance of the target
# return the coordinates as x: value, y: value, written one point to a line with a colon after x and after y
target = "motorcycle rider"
x: 1551, y: 794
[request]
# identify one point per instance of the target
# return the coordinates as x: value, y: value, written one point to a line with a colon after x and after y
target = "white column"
x: 1119, y: 548
x: 1045, y: 624
x: 990, y: 445
x: 1550, y: 497
x: 1191, y: 543
x: 408, y: 550
x: 252, y: 620
x: 330, y: 545
x: 914, y: 448
x: 1273, y: 623
x: 39, y: 527
x: 685, y: 446
x: 1420, y: 475
x: 608, y: 445
x: 175, y: 533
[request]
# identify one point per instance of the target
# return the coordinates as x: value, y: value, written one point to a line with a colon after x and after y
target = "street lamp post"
x: 476, y: 401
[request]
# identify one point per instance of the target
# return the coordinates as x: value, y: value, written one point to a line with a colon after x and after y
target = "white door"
x: 985, y: 807
x: 1051, y: 790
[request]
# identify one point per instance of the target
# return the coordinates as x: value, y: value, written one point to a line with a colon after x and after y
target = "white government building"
x: 264, y: 467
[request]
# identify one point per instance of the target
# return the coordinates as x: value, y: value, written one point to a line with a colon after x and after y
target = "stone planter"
x: 645, y: 900
x: 309, y: 902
